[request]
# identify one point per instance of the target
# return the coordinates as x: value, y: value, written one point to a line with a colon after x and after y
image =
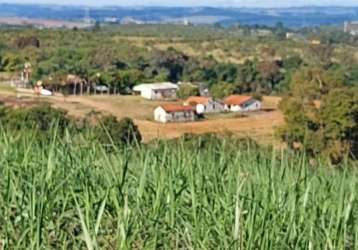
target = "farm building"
x: 174, y: 113
x: 157, y: 91
x: 203, y: 104
x: 241, y: 103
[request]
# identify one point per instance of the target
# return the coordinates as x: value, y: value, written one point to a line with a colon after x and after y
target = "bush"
x: 330, y: 128
x: 229, y: 141
x: 38, y: 117
x: 108, y: 130
x: 221, y: 90
x: 43, y: 117
x: 23, y: 42
x: 111, y: 131
x: 186, y: 90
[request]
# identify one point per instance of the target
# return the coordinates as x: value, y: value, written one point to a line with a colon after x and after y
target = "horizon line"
x: 178, y: 6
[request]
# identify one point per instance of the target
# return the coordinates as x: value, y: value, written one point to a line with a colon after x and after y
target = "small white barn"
x: 204, y: 105
x: 157, y: 91
x: 241, y: 103
x: 174, y: 113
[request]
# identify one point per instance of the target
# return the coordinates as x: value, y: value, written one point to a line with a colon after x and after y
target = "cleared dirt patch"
x: 48, y: 23
x: 258, y: 125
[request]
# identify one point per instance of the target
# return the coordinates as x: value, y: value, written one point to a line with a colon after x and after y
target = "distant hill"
x: 292, y: 17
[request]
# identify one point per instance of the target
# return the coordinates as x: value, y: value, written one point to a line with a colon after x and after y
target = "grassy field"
x: 67, y: 192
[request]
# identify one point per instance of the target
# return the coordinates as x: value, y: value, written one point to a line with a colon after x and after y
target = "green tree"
x: 247, y: 77
x: 292, y: 62
x: 187, y: 90
x: 329, y: 126
x: 221, y: 90
x: 299, y: 116
x: 321, y: 54
x: 226, y: 72
x: 124, y: 80
x: 171, y: 60
x: 111, y: 131
x: 97, y: 26
x: 25, y: 41
x: 352, y: 73
x: 280, y: 31
x: 270, y: 76
x: 312, y: 83
x: 338, y: 118
x: 38, y: 117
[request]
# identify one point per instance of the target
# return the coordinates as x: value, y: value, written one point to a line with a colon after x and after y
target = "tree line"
x: 120, y: 63
x: 44, y: 121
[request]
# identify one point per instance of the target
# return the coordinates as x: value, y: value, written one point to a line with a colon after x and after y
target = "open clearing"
x: 42, y: 22
x: 259, y: 125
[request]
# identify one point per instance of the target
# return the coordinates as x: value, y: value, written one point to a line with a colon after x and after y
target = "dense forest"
x: 226, y: 59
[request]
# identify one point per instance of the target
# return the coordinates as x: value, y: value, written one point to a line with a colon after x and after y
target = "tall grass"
x: 70, y: 193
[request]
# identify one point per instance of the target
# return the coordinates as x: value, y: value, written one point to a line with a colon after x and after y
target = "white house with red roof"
x: 204, y: 105
x: 241, y: 103
x: 174, y: 113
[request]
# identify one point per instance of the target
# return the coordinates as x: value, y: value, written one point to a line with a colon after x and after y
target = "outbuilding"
x: 241, y: 103
x: 204, y: 105
x: 174, y: 113
x: 157, y: 91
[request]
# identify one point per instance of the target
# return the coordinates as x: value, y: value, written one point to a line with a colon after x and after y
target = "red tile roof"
x: 175, y: 108
x: 236, y: 99
x: 197, y: 100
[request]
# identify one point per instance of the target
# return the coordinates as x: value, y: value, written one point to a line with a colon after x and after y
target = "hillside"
x: 292, y: 17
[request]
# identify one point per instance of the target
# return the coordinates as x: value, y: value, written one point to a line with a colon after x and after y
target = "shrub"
x: 38, y: 117
x: 43, y: 117
x: 111, y: 131
x: 330, y: 129
x: 221, y: 90
x: 23, y: 42
x: 186, y: 90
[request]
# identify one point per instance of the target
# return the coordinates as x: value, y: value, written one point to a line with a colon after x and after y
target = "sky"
x: 216, y: 3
